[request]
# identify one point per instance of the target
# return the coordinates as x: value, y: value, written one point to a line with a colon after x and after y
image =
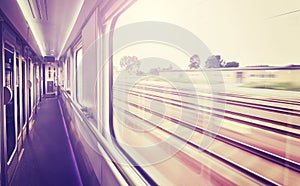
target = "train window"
x: 37, y: 79
x: 33, y: 93
x: 168, y: 118
x: 68, y: 74
x: 89, y: 69
x: 79, y: 87
x: 147, y: 94
x: 35, y: 85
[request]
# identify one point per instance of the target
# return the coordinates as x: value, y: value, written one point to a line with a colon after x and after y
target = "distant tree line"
x: 132, y: 65
x: 214, y: 61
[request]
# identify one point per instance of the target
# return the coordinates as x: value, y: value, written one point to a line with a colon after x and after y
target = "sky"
x: 251, y: 32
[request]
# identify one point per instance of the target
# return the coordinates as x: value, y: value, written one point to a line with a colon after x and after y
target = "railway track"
x: 266, y: 126
x: 226, y: 95
x: 260, y: 122
x: 150, y: 93
x: 234, y: 143
x: 230, y: 99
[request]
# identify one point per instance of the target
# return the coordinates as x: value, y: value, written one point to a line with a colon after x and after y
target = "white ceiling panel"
x: 53, y: 23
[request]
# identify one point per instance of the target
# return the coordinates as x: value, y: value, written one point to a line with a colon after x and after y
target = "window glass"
x: 79, y: 80
x: 68, y: 73
x: 200, y: 86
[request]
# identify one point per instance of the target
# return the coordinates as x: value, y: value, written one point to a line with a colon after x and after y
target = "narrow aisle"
x: 47, y: 159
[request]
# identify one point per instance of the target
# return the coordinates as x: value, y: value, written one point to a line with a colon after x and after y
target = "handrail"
x: 126, y: 175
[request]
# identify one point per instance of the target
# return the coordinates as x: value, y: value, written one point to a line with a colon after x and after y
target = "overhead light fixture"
x: 36, y: 31
x: 72, y: 23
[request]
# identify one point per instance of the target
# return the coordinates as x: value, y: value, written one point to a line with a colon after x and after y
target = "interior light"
x: 72, y: 23
x: 33, y: 26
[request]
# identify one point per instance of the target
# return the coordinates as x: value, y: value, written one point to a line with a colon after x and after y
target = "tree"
x: 214, y: 61
x: 194, y: 62
x: 130, y: 63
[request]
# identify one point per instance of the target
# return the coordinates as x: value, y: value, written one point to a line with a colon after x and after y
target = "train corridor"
x: 47, y: 158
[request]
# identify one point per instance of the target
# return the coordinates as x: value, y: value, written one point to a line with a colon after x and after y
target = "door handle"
x: 8, y: 94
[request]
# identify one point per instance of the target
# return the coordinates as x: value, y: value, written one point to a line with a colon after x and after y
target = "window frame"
x: 76, y: 50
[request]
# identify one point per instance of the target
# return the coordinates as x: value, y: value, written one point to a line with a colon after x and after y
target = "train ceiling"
x: 50, y: 26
